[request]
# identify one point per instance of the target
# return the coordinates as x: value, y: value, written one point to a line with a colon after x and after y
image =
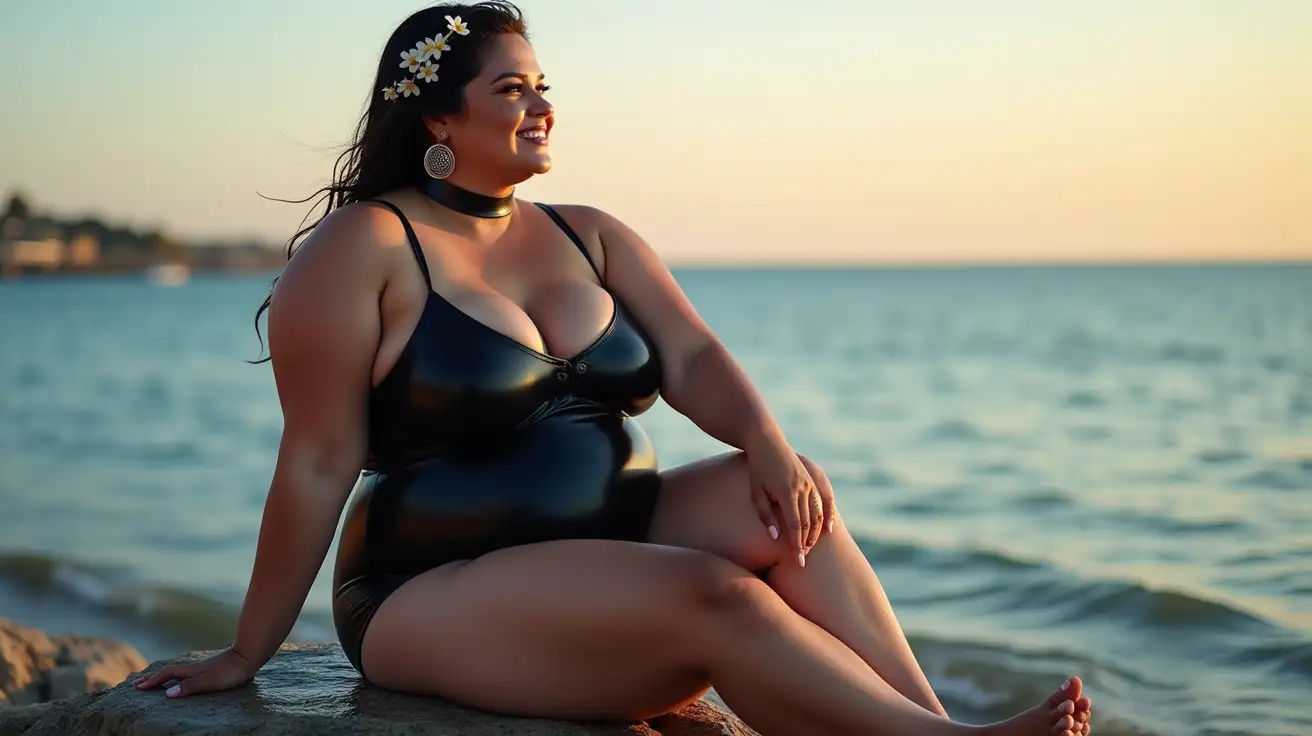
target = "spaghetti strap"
x: 414, y: 239
x: 573, y: 236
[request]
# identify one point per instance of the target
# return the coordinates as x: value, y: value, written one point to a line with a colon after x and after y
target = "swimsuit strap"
x: 573, y: 236
x: 414, y: 239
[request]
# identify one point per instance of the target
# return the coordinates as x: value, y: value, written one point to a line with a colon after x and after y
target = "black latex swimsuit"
x: 478, y: 442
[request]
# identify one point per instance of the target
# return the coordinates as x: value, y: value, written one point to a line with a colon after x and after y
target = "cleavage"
x: 558, y: 320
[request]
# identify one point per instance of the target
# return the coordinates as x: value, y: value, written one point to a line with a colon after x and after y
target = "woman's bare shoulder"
x: 353, y: 243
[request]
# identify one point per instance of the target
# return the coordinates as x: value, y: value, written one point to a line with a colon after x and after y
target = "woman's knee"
x: 723, y: 590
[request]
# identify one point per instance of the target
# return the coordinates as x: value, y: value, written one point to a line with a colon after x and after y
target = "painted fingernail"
x: 831, y: 526
x: 174, y: 691
x: 801, y: 559
x: 774, y: 532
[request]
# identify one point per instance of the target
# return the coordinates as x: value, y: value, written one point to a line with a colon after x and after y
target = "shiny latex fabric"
x: 478, y: 442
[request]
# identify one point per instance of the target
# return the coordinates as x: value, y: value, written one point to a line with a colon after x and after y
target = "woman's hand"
x: 223, y: 670
x: 780, y: 481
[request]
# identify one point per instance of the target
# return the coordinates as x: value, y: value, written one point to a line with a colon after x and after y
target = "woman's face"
x: 504, y: 131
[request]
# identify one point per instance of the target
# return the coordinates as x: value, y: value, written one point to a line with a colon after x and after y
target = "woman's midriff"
x: 579, y: 473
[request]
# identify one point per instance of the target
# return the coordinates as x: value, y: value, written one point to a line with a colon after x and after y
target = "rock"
x: 36, y: 668
x: 310, y: 689
x: 16, y: 721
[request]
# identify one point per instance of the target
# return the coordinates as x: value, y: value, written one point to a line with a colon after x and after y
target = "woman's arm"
x: 323, y: 336
x: 703, y: 382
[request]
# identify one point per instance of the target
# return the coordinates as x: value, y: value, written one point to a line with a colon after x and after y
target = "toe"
x: 1072, y: 689
x: 1083, y: 711
x: 1063, y: 726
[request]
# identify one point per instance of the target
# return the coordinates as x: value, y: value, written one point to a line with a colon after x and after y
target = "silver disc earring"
x: 439, y: 161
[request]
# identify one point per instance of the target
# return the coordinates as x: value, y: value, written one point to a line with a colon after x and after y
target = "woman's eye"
x: 517, y: 88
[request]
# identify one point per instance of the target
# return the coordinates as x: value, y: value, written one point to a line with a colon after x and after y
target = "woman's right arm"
x: 323, y: 335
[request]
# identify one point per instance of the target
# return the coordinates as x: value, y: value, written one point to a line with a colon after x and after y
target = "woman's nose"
x: 541, y: 108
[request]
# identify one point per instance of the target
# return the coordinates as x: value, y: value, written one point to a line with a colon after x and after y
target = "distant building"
x: 26, y: 256
x: 83, y: 251
x: 42, y: 244
x: 35, y: 247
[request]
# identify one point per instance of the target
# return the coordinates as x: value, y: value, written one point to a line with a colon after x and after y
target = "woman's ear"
x: 436, y: 126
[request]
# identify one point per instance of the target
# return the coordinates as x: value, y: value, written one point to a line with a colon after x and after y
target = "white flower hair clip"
x: 419, y: 60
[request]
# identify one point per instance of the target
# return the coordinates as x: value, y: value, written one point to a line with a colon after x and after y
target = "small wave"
x: 917, y: 507
x: 954, y: 560
x: 1294, y: 475
x: 177, y: 451
x: 1180, y: 352
x: 876, y: 478
x: 955, y: 431
x: 998, y: 468
x: 1047, y: 496
x: 1221, y: 457
x: 982, y: 682
x: 1242, y: 559
x: 1283, y: 657
x: 196, y: 620
x: 1040, y: 586
x: 1161, y: 524
x: 1171, y: 610
x: 1085, y: 399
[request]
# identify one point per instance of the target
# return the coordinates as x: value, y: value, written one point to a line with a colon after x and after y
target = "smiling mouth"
x: 535, y: 135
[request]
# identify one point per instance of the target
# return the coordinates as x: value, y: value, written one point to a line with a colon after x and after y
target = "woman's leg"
x: 594, y: 629
x: 706, y: 505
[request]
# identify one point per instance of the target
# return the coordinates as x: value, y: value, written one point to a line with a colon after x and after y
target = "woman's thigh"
x: 564, y: 629
x: 705, y: 505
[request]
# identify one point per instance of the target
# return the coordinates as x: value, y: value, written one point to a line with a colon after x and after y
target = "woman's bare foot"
x: 1064, y: 713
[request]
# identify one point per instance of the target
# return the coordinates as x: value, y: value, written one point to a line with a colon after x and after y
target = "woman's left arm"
x: 702, y: 381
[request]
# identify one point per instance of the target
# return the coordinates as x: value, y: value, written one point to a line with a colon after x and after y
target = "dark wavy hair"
x: 388, y: 147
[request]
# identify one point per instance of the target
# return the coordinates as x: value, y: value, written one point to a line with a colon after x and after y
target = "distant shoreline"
x: 272, y: 271
x: 894, y: 265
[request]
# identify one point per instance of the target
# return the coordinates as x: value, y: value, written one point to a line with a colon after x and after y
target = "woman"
x: 512, y: 545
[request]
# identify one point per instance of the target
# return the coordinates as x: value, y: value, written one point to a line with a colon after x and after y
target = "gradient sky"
x: 720, y: 129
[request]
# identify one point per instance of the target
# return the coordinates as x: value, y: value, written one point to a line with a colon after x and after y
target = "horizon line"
x: 981, y: 263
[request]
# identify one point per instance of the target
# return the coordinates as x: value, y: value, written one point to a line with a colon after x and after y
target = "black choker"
x: 466, y: 202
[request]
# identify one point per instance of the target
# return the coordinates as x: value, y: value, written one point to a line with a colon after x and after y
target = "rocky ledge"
x: 38, y: 668
x: 310, y: 689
